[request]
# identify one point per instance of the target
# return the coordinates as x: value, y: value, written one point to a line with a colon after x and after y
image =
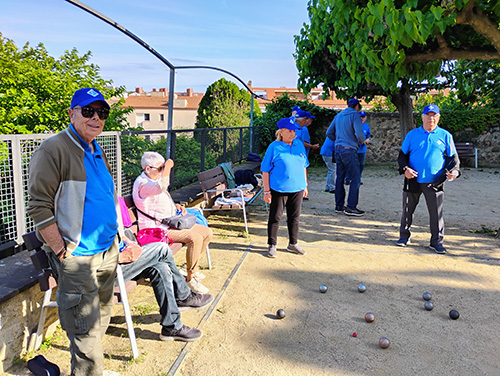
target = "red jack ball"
x: 354, y: 334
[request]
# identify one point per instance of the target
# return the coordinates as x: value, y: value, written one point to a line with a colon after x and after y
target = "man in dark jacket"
x: 427, y: 159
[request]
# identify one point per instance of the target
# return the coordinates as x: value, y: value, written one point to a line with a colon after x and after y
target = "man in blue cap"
x: 346, y: 130
x: 74, y: 206
x: 427, y: 158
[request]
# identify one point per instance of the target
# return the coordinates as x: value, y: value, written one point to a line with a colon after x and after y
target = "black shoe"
x: 42, y: 367
x: 195, y: 301
x: 327, y: 191
x: 339, y: 209
x: 354, y: 212
x: 185, y: 334
x: 403, y: 242
x: 438, y: 248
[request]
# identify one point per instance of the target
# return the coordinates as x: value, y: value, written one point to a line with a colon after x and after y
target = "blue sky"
x: 252, y: 39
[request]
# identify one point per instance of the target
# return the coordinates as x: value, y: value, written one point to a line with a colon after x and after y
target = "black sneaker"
x: 195, y: 301
x: 403, y: 242
x: 328, y: 191
x: 339, y: 209
x: 354, y: 212
x: 438, y: 248
x: 185, y: 334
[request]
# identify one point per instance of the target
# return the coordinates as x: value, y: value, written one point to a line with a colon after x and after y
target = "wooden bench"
x: 214, y: 185
x: 466, y: 150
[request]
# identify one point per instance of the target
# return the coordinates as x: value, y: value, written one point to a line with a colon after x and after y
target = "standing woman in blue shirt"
x: 285, y: 184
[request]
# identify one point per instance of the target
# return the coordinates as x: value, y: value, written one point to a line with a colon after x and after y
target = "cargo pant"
x: 85, y: 300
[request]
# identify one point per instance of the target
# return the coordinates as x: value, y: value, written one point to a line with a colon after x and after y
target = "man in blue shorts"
x: 427, y: 159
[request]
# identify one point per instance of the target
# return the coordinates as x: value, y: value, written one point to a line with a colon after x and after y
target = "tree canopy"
x: 393, y: 48
x: 36, y: 88
x: 225, y: 105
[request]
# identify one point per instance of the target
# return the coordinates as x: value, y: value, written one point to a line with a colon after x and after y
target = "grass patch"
x: 484, y: 230
x: 146, y: 309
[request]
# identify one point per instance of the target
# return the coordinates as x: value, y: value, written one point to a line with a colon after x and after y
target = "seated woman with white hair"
x: 151, y: 196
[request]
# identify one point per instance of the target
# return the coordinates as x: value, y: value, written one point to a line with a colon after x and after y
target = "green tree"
x: 394, y: 48
x: 281, y: 107
x: 475, y: 82
x: 36, y: 89
x: 224, y: 105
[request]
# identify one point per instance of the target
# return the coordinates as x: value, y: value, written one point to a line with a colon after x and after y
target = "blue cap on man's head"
x: 431, y: 108
x: 301, y: 114
x: 309, y: 115
x: 84, y: 97
x: 362, y: 113
x: 352, y: 101
x: 288, y: 123
x: 296, y: 108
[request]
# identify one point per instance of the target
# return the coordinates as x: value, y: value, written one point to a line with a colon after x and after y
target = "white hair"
x: 150, y: 158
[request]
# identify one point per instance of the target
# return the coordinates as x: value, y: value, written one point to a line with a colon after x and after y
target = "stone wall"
x: 386, y: 141
x: 18, y: 321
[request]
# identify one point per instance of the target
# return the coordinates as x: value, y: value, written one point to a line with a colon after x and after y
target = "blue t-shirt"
x: 100, y: 221
x: 303, y: 135
x: 285, y: 165
x: 368, y: 134
x: 427, y: 151
x: 327, y: 148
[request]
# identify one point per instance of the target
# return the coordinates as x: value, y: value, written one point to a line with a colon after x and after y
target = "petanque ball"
x: 429, y: 306
x: 384, y: 342
x: 427, y: 296
x: 370, y: 317
x: 361, y: 288
x: 323, y: 288
x: 281, y: 313
x: 454, y: 314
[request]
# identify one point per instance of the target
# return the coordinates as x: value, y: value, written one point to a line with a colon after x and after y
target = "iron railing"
x: 193, y: 150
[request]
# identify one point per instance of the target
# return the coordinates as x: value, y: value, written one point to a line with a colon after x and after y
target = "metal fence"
x: 193, y: 150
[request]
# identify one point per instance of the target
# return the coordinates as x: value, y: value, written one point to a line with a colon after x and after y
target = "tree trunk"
x: 402, y: 101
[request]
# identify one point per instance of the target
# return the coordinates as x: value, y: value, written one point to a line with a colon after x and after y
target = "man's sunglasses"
x: 88, y: 112
x: 160, y: 169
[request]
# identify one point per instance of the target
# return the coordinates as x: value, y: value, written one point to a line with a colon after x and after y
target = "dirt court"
x: 242, y: 335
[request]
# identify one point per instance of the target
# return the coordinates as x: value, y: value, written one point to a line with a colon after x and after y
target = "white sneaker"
x: 196, y: 286
x: 198, y: 274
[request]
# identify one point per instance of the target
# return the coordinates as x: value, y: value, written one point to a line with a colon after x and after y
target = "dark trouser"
x: 293, y: 204
x: 347, y: 164
x: 434, y: 201
x: 361, y: 158
x: 157, y: 263
x: 85, y: 300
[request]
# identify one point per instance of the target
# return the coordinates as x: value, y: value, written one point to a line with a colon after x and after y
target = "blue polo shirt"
x: 368, y: 134
x: 100, y: 222
x: 285, y: 165
x: 427, y: 151
x: 327, y: 148
x: 303, y: 135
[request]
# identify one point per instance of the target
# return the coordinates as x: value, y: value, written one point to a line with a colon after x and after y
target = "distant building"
x: 151, y: 109
x: 315, y: 96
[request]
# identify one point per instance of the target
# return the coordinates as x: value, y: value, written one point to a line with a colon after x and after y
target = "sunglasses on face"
x: 160, y: 169
x: 88, y: 112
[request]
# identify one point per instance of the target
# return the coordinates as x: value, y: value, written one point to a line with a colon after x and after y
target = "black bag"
x: 180, y: 222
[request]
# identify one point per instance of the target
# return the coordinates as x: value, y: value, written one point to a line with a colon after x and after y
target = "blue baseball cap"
x: 352, y: 101
x: 288, y: 123
x: 362, y: 114
x: 301, y: 114
x: 309, y: 115
x: 431, y: 108
x: 296, y: 108
x: 84, y: 97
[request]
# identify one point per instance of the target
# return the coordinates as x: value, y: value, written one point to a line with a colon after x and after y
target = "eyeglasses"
x: 160, y: 169
x: 88, y: 112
